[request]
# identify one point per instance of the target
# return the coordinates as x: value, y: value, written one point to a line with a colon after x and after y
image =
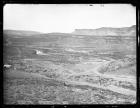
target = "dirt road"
x: 17, y: 74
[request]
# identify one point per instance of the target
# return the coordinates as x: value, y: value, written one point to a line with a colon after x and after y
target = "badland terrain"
x: 87, y: 66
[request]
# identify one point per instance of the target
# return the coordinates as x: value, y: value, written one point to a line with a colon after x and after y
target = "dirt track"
x: 17, y: 74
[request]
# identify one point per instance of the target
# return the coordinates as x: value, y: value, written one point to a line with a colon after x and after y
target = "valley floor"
x: 69, y: 69
x: 81, y: 83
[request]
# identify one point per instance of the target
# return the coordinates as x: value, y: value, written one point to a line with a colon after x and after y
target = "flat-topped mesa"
x: 107, y: 31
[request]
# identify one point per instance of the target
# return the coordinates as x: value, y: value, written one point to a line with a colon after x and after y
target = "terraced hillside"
x: 59, y: 68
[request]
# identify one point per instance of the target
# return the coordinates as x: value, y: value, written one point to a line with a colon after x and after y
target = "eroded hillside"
x: 70, y: 69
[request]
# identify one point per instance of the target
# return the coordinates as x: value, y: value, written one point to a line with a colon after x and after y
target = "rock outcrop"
x: 108, y: 31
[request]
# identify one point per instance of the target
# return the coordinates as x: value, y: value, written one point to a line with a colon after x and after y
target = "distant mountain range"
x: 107, y: 31
x: 20, y: 32
x: 104, y: 31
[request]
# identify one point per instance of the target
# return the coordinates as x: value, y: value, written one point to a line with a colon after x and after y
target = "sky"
x: 65, y: 18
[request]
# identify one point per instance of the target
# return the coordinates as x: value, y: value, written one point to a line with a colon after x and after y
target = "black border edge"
x: 132, y: 2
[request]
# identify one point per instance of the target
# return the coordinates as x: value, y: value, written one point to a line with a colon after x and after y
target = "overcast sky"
x: 67, y: 17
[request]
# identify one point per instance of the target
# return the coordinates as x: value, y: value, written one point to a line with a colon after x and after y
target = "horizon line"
x: 67, y: 32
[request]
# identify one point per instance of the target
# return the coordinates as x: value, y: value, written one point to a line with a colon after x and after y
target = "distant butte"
x: 107, y: 31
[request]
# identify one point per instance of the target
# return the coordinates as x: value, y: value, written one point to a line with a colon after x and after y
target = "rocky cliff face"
x: 108, y: 31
